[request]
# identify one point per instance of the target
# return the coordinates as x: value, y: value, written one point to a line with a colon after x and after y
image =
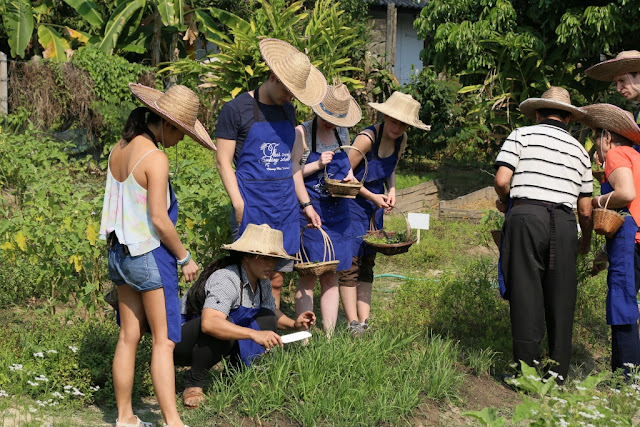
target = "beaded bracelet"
x: 185, y: 260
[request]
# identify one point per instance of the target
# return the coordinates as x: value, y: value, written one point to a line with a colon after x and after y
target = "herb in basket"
x: 386, y: 238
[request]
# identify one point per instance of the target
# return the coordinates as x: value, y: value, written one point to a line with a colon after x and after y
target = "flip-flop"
x: 192, y: 397
x: 138, y: 423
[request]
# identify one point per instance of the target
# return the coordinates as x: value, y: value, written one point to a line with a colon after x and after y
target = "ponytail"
x: 137, y: 123
x: 196, y: 294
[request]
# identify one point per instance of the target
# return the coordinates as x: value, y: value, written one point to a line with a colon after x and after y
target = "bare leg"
x: 364, y: 300
x: 132, y: 326
x: 162, y: 369
x: 304, y: 294
x: 349, y: 297
x: 277, y: 280
x: 329, y: 299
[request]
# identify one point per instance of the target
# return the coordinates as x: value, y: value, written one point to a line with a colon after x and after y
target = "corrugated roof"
x: 407, y: 4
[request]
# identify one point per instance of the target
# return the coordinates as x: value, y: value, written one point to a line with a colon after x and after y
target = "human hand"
x: 312, y: 216
x: 391, y: 199
x: 380, y: 200
x: 350, y: 177
x: 305, y: 321
x: 267, y: 339
x: 239, y: 212
x: 190, y: 271
x: 584, y: 245
x: 501, y: 206
x: 600, y: 262
x: 325, y: 158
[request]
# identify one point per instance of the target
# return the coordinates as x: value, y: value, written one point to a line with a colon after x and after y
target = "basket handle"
x: 329, y: 252
x: 608, y: 198
x: 372, y: 224
x: 366, y: 164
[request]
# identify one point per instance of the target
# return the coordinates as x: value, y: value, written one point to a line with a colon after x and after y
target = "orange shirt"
x: 626, y: 157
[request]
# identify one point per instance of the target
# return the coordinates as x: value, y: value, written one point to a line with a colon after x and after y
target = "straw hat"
x: 403, y: 107
x: 294, y: 70
x: 338, y: 107
x: 555, y: 97
x: 627, y: 61
x: 260, y: 240
x: 179, y: 105
x: 612, y: 118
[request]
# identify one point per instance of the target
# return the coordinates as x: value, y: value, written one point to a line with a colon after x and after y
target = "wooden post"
x: 4, y: 85
x: 390, y: 43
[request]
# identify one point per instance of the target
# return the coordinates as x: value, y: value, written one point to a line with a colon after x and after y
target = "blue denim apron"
x: 361, y: 209
x: 168, y: 268
x: 265, y: 179
x: 622, y: 305
x: 333, y: 211
x: 243, y: 316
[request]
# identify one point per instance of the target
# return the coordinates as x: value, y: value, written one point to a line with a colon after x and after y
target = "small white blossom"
x: 94, y: 388
x: 33, y: 383
x: 42, y: 378
x: 536, y: 362
x: 73, y: 348
x: 3, y: 393
x: 40, y: 403
x: 15, y: 367
x: 615, y: 390
x: 52, y: 351
x: 553, y: 374
x: 77, y: 392
x: 629, y: 365
x: 581, y: 388
x: 560, y: 377
x: 57, y: 394
x: 38, y: 354
x: 32, y: 409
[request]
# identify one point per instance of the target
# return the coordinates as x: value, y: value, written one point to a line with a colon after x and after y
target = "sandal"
x: 192, y: 397
x: 138, y: 423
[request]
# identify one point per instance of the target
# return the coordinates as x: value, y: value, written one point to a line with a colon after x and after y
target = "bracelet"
x: 304, y: 205
x: 185, y: 260
x: 600, y: 204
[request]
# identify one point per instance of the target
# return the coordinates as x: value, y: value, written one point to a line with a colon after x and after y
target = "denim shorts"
x: 140, y: 272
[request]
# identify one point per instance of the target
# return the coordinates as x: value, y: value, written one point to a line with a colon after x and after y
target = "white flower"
x: 563, y: 423
x: 73, y: 348
x: 67, y: 387
x: 77, y: 392
x: 52, y: 351
x: 581, y: 388
x: 32, y: 409
x: 42, y: 378
x: 94, y: 388
x: 3, y: 393
x: 40, y: 403
x: 629, y: 365
x: 38, y: 354
x: 57, y: 394
x: 15, y: 367
x: 560, y: 377
x: 615, y: 390
x: 553, y: 374
x: 33, y: 383
x: 536, y: 362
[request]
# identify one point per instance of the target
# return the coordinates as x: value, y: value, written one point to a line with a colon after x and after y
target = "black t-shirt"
x: 236, y: 118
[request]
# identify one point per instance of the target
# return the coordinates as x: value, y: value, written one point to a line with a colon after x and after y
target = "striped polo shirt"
x: 548, y: 164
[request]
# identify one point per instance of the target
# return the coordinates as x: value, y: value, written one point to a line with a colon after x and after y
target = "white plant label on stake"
x: 418, y: 221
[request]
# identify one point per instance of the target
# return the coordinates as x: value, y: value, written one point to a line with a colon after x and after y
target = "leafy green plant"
x: 590, y: 402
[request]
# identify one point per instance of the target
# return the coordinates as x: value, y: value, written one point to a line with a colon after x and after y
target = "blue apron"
x: 265, y: 180
x: 243, y: 316
x: 361, y: 209
x: 168, y: 268
x: 501, y: 283
x: 333, y: 211
x: 622, y: 305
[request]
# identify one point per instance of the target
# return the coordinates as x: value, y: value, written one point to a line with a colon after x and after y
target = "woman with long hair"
x: 138, y: 221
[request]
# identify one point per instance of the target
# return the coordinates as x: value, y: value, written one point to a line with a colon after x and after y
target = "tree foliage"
x: 504, y: 51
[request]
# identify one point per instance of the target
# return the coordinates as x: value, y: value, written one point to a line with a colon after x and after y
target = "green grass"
x: 345, y: 381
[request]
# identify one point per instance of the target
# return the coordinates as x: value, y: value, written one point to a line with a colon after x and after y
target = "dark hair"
x: 616, y: 138
x: 196, y: 294
x: 546, y: 112
x: 137, y: 123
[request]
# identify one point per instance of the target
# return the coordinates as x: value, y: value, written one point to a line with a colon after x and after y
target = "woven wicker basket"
x: 339, y: 188
x: 329, y: 264
x: 389, y: 248
x: 606, y: 221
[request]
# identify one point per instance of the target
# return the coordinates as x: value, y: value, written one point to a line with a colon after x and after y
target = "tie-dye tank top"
x: 125, y: 211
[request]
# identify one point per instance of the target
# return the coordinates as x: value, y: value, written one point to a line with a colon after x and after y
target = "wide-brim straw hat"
x: 403, y: 107
x: 627, y: 61
x: 179, y: 105
x: 260, y: 240
x: 555, y: 97
x: 294, y: 70
x: 613, y: 119
x: 338, y: 107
